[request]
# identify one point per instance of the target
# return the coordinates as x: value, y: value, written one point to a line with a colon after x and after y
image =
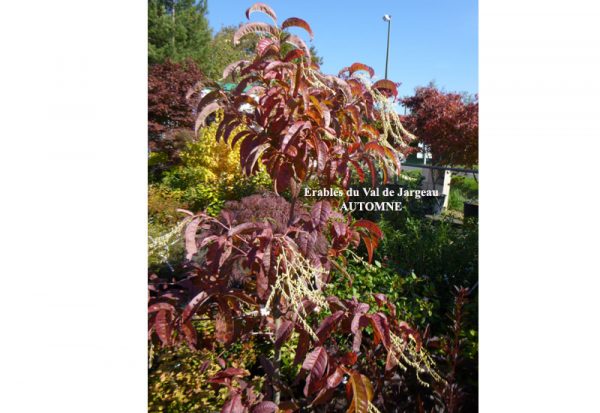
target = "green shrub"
x: 462, y: 189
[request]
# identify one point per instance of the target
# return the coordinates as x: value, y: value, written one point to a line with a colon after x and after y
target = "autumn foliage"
x: 170, y: 115
x: 447, y: 123
x: 261, y: 266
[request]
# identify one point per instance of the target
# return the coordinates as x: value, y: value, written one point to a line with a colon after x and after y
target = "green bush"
x: 462, y: 189
x: 417, y: 265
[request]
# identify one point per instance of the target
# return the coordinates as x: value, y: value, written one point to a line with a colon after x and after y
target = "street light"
x: 387, y: 18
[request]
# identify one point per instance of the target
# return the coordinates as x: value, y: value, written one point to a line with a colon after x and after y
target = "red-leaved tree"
x: 170, y: 115
x: 260, y: 267
x: 447, y: 123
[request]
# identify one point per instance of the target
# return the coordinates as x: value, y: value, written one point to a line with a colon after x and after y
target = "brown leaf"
x: 224, y: 325
x: 190, y: 238
x: 362, y: 393
x: 190, y: 334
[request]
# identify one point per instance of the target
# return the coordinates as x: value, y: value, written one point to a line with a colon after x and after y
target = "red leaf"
x: 386, y: 86
x: 282, y: 180
x: 382, y: 299
x: 163, y: 326
x: 296, y: 22
x: 262, y: 284
x: 190, y: 238
x: 295, y: 129
x: 209, y: 97
x: 265, y: 407
x: 283, y: 332
x: 233, y: 405
x: 321, y: 152
x: 335, y: 379
x: 355, y: 67
x: 349, y: 358
x: 239, y: 136
x: 316, y: 361
x: 264, y: 44
x: 288, y: 406
x: 246, y: 147
x: 227, y: 373
x: 357, y: 322
x: 161, y: 306
x: 371, y: 245
x: 381, y: 328
x: 371, y: 171
x: 302, y: 348
x: 320, y: 213
x: 245, y: 227
x: 263, y: 8
x: 370, y: 226
x: 230, y: 69
x: 328, y: 324
x: 229, y: 130
x: 189, y: 332
x: 370, y: 130
x: 356, y: 341
x: 254, y: 28
x: 207, y: 110
x: 359, y: 171
x: 194, y: 305
x: 299, y: 43
x: 294, y: 54
x: 391, y: 361
x: 324, y: 396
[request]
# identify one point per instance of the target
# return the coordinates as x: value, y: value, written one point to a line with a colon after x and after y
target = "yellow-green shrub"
x: 209, y: 175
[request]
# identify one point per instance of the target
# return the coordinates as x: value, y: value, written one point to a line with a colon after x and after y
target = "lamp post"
x: 387, y: 18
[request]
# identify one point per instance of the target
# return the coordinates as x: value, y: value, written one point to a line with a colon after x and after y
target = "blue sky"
x: 430, y: 39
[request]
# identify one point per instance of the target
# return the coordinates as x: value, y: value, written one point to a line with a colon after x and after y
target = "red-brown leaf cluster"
x: 296, y: 121
x: 170, y: 115
x: 445, y: 122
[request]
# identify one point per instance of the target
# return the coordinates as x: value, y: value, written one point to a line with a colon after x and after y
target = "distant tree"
x: 315, y: 55
x: 222, y: 51
x: 170, y: 115
x: 447, y: 122
x: 168, y: 108
x: 178, y: 30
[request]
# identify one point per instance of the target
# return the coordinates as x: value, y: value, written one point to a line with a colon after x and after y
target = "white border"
x: 73, y: 206
x: 540, y: 83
